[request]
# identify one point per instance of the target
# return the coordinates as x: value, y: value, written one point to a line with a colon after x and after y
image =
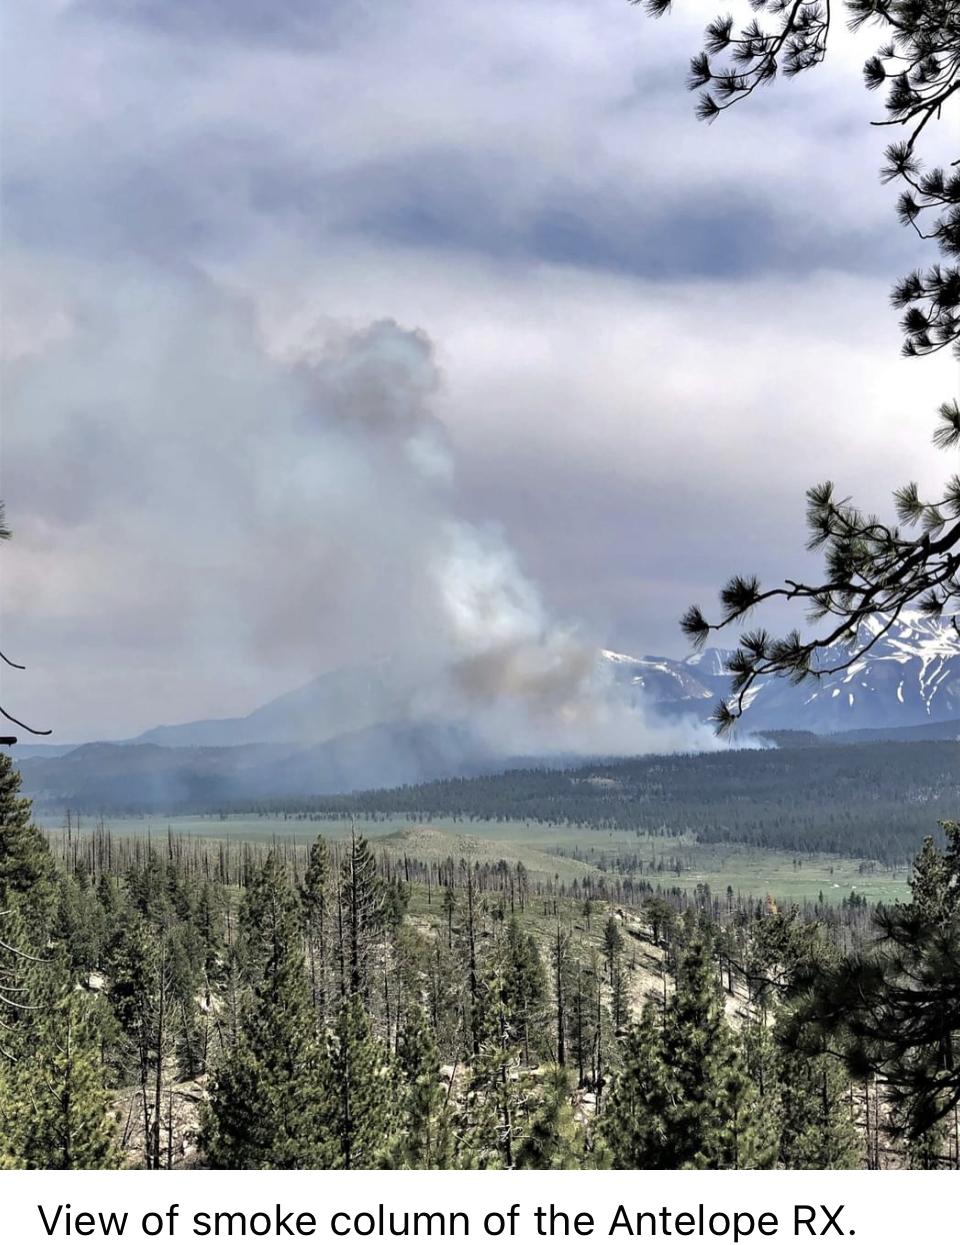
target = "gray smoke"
x: 287, y: 507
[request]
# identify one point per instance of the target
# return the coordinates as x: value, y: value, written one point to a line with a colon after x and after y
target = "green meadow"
x: 564, y: 852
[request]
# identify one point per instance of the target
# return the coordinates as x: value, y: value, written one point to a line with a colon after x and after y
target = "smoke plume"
x: 289, y: 507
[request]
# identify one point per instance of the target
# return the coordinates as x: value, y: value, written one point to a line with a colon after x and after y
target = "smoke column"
x: 288, y: 507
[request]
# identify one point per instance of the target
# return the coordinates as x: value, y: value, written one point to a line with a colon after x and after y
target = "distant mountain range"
x: 339, y: 703
x: 354, y: 728
x: 909, y: 677
x: 148, y: 776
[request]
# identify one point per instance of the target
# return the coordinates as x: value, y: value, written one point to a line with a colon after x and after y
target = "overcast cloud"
x: 347, y: 330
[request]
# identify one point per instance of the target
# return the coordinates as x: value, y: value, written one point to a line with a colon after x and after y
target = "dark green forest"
x: 183, y: 1005
x: 873, y: 800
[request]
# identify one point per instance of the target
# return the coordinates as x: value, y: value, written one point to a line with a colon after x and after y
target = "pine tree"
x: 581, y: 1011
x: 894, y: 1009
x: 714, y: 1121
x: 55, y: 1108
x: 78, y: 925
x: 492, y: 1109
x: 469, y: 937
x: 362, y: 899
x: 560, y: 963
x: 761, y: 1058
x: 445, y: 995
x: 604, y: 1048
x: 187, y: 957
x: 449, y: 911
x: 524, y: 987
x: 499, y: 1091
x: 929, y: 883
x: 423, y: 1138
x: 210, y: 925
x: 684, y: 1097
x: 360, y: 1090
x: 269, y: 911
x: 110, y: 908
x: 8, y: 1115
x: 60, y: 1109
x: 612, y: 942
x: 270, y: 1101
x: 817, y: 1129
x: 26, y: 866
x: 931, y: 1151
x: 147, y: 887
x: 552, y: 1141
x: 636, y: 1121
x: 315, y: 901
x: 141, y: 994
x: 662, y: 919
x: 19, y: 964
x: 613, y: 951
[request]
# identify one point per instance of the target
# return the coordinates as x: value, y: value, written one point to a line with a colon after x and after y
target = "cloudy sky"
x: 337, y: 329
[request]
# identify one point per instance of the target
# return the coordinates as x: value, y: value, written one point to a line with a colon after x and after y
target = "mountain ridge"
x: 354, y: 729
x: 909, y: 677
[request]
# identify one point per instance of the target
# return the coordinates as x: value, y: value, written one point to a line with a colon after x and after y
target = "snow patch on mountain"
x: 908, y: 675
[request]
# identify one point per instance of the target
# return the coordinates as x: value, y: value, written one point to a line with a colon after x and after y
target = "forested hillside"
x: 192, y: 1005
x: 871, y: 800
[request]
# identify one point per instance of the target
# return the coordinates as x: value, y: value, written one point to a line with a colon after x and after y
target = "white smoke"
x: 497, y: 659
x: 211, y: 509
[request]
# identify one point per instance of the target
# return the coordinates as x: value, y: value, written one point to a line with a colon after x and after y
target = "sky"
x: 442, y: 334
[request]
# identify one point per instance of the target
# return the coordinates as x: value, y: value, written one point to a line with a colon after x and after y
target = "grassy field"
x: 562, y: 851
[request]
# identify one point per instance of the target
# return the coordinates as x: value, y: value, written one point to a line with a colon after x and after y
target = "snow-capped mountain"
x: 354, y: 728
x: 655, y: 678
x: 909, y: 676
